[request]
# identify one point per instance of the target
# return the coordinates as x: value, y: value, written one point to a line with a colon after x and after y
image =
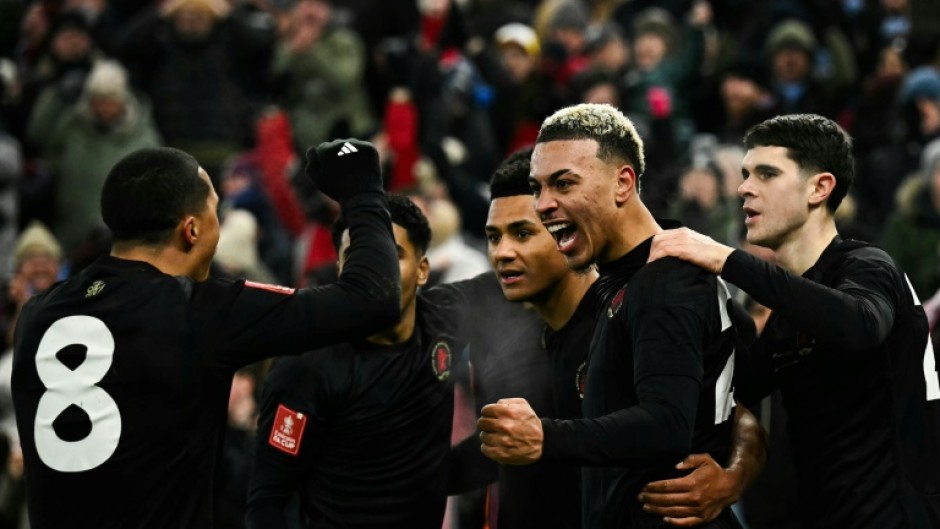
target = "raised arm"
x: 263, y: 320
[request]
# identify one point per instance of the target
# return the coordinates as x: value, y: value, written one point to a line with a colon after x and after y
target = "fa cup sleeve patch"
x: 287, y: 430
x: 270, y: 288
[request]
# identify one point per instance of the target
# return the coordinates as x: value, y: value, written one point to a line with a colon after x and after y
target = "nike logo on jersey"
x: 347, y: 149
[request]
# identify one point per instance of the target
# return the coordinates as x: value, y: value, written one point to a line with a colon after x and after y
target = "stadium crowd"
x: 446, y: 90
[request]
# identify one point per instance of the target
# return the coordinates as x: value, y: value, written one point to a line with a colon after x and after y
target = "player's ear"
x: 626, y: 184
x: 424, y: 271
x: 189, y: 229
x: 822, y: 185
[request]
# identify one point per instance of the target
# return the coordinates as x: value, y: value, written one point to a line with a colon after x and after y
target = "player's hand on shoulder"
x: 510, y: 432
x: 343, y: 169
x: 692, y: 247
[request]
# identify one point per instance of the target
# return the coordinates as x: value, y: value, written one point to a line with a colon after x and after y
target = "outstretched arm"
x: 856, y: 313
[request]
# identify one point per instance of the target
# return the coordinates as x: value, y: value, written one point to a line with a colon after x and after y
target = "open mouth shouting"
x: 565, y: 234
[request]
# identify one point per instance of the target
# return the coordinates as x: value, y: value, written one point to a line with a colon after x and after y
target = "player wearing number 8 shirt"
x: 660, y: 361
x: 121, y: 374
x: 847, y: 342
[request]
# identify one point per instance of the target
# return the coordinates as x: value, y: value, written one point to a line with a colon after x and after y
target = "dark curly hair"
x: 405, y: 214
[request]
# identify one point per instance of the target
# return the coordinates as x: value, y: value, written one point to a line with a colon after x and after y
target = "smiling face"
x: 776, y: 196
x: 521, y: 250
x: 577, y: 198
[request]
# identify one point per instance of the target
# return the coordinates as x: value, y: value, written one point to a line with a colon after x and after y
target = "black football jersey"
x: 849, y: 348
x: 361, y: 431
x: 507, y: 351
x: 121, y: 377
x: 659, y: 384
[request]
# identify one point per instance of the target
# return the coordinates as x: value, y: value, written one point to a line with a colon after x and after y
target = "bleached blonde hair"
x: 616, y: 137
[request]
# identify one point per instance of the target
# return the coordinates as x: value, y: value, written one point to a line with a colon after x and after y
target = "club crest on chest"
x: 441, y: 360
x: 617, y: 302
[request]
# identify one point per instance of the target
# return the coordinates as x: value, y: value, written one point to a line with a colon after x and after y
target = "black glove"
x: 343, y: 169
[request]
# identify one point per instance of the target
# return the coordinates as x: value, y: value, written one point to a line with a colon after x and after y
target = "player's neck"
x: 799, y: 253
x: 400, y: 332
x: 633, y: 225
x: 163, y: 258
x: 563, y: 299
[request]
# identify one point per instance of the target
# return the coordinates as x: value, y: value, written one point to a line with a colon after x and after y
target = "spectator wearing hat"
x: 237, y: 253
x: 561, y: 26
x: 37, y: 264
x: 921, y: 93
x: 791, y: 49
x: 524, y: 95
x: 667, y: 59
x: 89, y: 137
x: 915, y: 123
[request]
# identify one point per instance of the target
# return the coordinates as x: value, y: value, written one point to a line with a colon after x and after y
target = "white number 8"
x: 66, y: 387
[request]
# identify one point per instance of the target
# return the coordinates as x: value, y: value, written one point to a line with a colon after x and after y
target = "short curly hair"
x: 406, y: 214
x: 616, y: 137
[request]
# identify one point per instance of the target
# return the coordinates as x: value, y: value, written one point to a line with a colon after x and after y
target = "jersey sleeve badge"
x: 287, y: 430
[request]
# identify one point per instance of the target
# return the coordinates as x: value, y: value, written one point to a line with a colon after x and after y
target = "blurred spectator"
x: 237, y: 252
x: 400, y: 131
x: 59, y: 72
x: 86, y: 140
x: 455, y: 128
x: 13, y: 513
x: 524, y: 95
x: 920, y: 92
x: 746, y: 100
x: 790, y: 49
x: 376, y: 22
x: 912, y: 235
x: 242, y: 188
x: 561, y: 26
x: 37, y: 265
x: 667, y: 60
x: 596, y: 86
x: 237, y: 450
x: 880, y: 172
x: 698, y: 205
x: 607, y: 50
x: 199, y: 65
x: 34, y: 28
x: 11, y: 173
x: 320, y: 66
x: 451, y: 258
x: 876, y: 119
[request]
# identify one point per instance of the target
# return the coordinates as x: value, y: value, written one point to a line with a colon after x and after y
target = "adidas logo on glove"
x: 347, y: 149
